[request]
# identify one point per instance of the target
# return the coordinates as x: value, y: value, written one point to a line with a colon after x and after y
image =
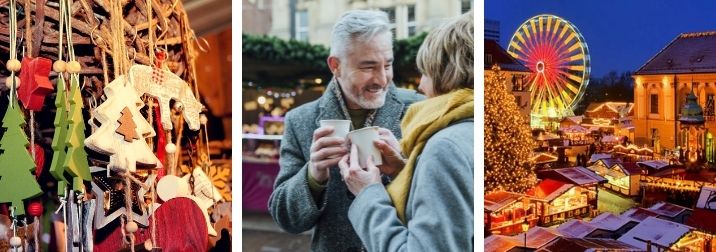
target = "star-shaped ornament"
x: 34, y: 77
x: 109, y: 192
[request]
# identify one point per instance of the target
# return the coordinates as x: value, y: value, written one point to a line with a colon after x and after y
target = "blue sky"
x: 621, y: 35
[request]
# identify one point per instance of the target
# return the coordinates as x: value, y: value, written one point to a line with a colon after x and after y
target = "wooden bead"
x: 59, y: 66
x: 73, y: 67
x: 13, y: 65
x: 131, y: 227
x: 202, y: 119
x: 8, y: 82
x: 170, y: 148
x: 35, y: 209
x: 15, y: 242
x: 148, y: 245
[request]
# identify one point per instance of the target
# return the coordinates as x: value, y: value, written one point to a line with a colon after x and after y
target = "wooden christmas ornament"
x: 123, y: 129
x: 58, y: 140
x: 165, y: 86
x: 75, y: 162
x: 110, y: 195
x: 35, y: 75
x: 17, y: 182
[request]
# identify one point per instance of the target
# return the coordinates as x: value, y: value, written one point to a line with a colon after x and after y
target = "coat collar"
x: 388, y: 116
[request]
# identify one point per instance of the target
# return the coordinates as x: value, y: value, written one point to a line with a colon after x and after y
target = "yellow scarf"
x: 421, y: 121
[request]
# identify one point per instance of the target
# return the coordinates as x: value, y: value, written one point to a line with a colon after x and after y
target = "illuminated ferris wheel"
x: 556, y: 53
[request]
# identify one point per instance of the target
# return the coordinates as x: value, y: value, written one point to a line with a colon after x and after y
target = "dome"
x: 691, y: 112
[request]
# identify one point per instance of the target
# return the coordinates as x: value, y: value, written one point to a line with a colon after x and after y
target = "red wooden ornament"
x: 34, y: 77
x: 39, y: 160
x: 180, y: 226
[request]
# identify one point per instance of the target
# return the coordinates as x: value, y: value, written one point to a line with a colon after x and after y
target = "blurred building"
x: 313, y: 20
x: 256, y: 16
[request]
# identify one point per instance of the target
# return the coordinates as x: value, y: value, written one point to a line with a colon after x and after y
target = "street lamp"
x: 525, y: 227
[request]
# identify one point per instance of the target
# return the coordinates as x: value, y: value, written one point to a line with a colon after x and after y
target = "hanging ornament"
x: 35, y: 75
x: 110, y: 194
x: 123, y: 129
x: 17, y: 182
x: 165, y: 86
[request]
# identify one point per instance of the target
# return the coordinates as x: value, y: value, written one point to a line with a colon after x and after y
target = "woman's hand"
x: 356, y: 178
x: 393, y: 161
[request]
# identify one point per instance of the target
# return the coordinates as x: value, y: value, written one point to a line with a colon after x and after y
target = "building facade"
x: 662, y: 86
x: 313, y: 20
x: 515, y: 72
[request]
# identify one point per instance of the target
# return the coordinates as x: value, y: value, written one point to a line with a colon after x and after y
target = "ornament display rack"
x: 93, y: 47
x: 92, y: 35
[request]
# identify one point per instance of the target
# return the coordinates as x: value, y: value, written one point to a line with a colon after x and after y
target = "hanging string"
x: 63, y: 207
x: 154, y: 217
x: 28, y: 27
x: 13, y: 64
x: 128, y: 206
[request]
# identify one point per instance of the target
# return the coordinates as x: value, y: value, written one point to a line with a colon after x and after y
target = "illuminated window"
x: 654, y: 105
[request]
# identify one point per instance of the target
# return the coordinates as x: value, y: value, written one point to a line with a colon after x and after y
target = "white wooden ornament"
x: 165, y: 86
x: 171, y: 186
x: 205, y: 194
x: 124, y: 155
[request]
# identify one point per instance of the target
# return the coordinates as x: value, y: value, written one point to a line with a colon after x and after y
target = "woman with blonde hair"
x: 428, y: 206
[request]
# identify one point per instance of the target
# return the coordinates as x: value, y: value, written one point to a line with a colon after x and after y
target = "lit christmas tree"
x: 508, y: 141
x: 17, y: 182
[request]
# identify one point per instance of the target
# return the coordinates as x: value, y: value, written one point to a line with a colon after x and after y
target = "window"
x: 466, y: 5
x: 709, y: 105
x: 301, y: 25
x: 654, y: 105
x: 391, y: 17
x: 412, y: 28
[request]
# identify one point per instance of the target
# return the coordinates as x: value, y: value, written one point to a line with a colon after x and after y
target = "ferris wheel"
x: 555, y: 51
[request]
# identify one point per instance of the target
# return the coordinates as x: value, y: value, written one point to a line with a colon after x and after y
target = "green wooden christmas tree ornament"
x: 76, y: 160
x: 17, y: 182
x: 58, y: 140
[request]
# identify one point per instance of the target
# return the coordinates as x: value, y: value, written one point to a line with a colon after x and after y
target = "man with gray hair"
x: 308, y: 192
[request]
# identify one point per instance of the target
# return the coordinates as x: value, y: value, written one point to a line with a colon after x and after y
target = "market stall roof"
x: 495, y: 201
x: 668, y: 209
x: 588, y: 244
x: 598, y: 156
x: 707, y: 198
x: 629, y: 168
x: 574, y: 129
x: 656, y: 164
x: 632, y: 149
x: 638, y: 214
x: 573, y: 119
x: 703, y: 219
x: 549, y: 189
x: 610, y: 139
x: 609, y: 221
x: 576, y: 229
x: 543, y: 157
x: 608, y: 162
x: 501, y: 243
x: 538, y: 236
x: 661, y: 232
x: 580, y: 175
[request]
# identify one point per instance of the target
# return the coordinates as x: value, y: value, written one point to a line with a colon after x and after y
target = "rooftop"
x: 499, y: 56
x: 687, y: 53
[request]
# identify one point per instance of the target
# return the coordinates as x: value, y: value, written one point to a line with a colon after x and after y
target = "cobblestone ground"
x: 260, y: 234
